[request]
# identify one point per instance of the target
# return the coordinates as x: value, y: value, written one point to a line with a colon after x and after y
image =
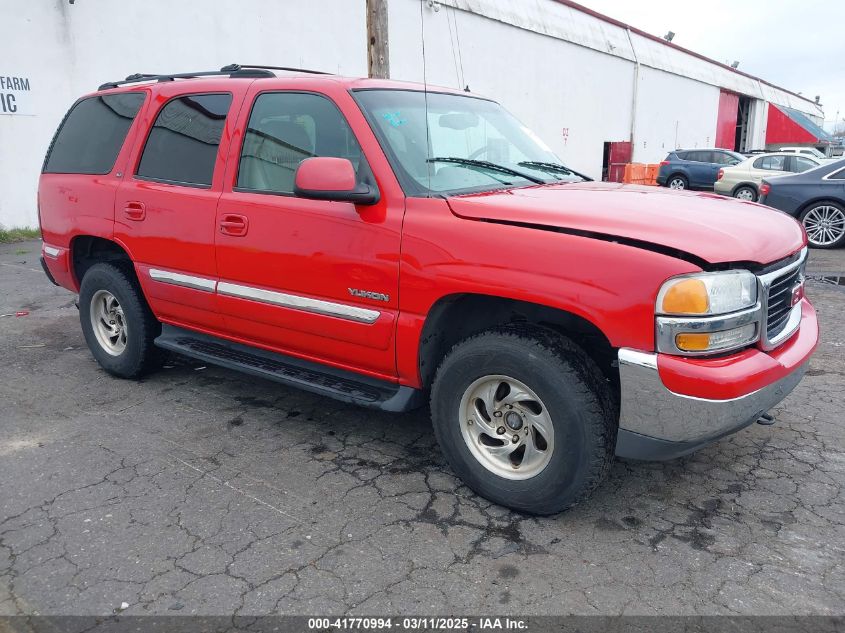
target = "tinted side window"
x: 724, y: 159
x: 286, y: 128
x: 772, y: 163
x: 839, y: 175
x: 182, y: 145
x: 802, y: 164
x: 92, y: 134
x: 700, y: 157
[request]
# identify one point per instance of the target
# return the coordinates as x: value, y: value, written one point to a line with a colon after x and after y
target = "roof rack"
x: 288, y: 68
x: 232, y: 70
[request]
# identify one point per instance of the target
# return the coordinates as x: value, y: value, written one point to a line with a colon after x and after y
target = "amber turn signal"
x: 686, y: 297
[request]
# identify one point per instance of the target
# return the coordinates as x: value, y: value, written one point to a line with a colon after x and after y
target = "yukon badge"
x: 367, y: 294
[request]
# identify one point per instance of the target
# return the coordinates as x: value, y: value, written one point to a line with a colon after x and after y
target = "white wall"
x: 573, y: 97
x: 672, y: 112
x: 68, y: 50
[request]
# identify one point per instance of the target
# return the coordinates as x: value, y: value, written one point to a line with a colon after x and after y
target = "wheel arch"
x: 818, y: 200
x: 87, y: 250
x: 455, y: 317
x: 751, y: 185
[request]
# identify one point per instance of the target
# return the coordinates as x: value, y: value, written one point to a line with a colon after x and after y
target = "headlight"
x: 708, y: 293
x: 706, y: 313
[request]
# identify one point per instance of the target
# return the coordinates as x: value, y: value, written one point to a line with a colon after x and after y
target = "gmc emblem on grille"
x: 797, y: 293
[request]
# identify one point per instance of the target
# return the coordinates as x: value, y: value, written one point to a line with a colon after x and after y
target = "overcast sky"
x: 795, y: 44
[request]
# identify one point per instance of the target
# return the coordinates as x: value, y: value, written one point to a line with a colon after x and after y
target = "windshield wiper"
x: 470, y: 162
x: 553, y: 168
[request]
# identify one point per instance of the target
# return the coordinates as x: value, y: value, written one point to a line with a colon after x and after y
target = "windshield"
x: 813, y: 152
x: 463, y: 144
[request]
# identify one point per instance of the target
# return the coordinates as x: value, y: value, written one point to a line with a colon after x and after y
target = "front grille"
x: 780, y: 302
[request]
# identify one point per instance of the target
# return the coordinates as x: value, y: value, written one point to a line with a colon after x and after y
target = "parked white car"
x: 810, y: 152
x: 743, y: 180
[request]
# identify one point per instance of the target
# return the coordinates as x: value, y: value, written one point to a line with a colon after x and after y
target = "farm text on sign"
x: 10, y: 89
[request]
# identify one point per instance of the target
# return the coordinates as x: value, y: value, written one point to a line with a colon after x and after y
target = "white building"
x: 599, y: 92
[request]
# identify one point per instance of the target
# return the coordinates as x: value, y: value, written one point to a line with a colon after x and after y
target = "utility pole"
x: 378, y: 53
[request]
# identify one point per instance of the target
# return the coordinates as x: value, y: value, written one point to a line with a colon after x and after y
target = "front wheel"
x: 825, y: 224
x: 117, y: 323
x: 525, y: 419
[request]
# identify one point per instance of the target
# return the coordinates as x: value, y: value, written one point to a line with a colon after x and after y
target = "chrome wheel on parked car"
x: 746, y: 193
x: 108, y: 322
x: 677, y: 182
x: 506, y: 427
x: 825, y: 225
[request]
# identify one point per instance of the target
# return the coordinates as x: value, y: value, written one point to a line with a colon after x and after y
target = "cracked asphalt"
x: 201, y: 491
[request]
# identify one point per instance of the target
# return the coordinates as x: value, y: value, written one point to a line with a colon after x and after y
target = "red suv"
x: 388, y: 246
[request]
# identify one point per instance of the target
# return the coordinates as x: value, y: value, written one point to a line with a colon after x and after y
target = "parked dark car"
x: 695, y: 168
x: 816, y: 198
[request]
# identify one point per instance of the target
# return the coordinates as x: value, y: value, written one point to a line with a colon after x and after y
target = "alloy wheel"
x: 506, y: 427
x: 108, y: 322
x: 825, y: 225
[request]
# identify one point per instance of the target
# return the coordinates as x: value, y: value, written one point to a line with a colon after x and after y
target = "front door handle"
x: 234, y: 224
x: 135, y: 211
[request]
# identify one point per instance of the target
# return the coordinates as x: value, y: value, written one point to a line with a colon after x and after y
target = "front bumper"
x: 723, y: 395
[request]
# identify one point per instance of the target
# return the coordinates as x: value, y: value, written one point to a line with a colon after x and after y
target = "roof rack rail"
x: 288, y: 68
x: 232, y: 70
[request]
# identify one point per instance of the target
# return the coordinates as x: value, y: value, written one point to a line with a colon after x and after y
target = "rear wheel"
x: 825, y: 224
x: 117, y: 323
x: 677, y: 182
x: 525, y: 419
x: 746, y: 193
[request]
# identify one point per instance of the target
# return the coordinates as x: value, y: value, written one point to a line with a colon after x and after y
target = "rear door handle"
x: 234, y: 224
x: 135, y: 210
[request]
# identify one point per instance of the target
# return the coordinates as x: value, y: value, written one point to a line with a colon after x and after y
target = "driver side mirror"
x: 331, y: 178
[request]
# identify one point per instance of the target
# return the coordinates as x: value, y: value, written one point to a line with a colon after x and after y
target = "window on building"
x: 286, y: 128
x: 182, y: 145
x: 771, y: 163
x: 92, y: 134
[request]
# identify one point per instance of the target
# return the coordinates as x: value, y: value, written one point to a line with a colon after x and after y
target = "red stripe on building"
x: 781, y: 129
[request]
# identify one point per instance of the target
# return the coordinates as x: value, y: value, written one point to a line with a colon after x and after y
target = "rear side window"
x: 772, y: 163
x: 700, y: 157
x: 802, y: 164
x: 182, y: 145
x: 92, y: 134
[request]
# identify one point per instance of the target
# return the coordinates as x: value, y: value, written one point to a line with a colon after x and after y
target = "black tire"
x: 836, y: 225
x: 746, y: 188
x: 574, y: 392
x: 682, y: 182
x: 139, y: 355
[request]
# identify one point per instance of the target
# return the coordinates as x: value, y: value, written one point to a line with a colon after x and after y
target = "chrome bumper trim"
x: 650, y: 409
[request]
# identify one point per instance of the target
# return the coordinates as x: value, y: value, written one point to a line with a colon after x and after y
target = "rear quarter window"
x: 182, y: 144
x: 92, y: 133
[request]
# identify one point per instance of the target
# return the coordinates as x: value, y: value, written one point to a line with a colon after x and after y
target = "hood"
x: 709, y: 227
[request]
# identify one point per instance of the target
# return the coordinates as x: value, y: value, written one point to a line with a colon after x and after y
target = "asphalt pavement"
x: 198, y: 490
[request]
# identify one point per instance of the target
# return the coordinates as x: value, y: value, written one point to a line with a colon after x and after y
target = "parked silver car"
x: 743, y: 180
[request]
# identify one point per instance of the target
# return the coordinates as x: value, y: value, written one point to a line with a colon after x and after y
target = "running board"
x: 295, y: 372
